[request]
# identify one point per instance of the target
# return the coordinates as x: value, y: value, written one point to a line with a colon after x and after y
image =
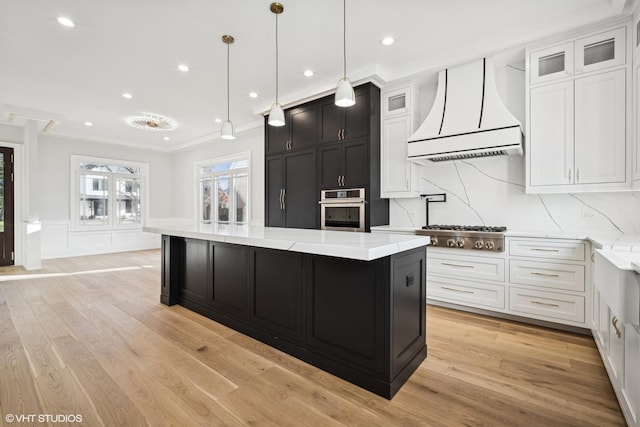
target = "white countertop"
x: 623, y: 260
x: 611, y: 241
x: 342, y: 244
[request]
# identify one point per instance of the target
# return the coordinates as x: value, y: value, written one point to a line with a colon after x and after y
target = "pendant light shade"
x: 227, y: 127
x: 276, y: 115
x: 345, y: 96
x: 227, y: 130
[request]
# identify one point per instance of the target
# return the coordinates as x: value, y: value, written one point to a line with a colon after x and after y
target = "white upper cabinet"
x: 551, y: 63
x: 600, y: 128
x: 579, y: 115
x: 399, y: 177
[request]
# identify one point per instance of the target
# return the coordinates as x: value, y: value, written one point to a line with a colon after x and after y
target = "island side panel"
x: 171, y: 252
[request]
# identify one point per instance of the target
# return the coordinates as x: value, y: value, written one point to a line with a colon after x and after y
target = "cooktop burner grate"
x: 479, y: 228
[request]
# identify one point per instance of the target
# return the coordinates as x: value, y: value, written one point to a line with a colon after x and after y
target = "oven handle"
x: 342, y: 202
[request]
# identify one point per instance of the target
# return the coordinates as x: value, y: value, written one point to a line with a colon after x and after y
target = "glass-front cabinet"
x: 596, y: 52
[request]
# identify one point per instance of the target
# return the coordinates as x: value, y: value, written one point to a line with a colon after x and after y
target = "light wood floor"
x: 88, y: 336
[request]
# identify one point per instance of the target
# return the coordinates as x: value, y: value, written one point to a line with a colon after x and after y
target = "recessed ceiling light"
x: 88, y: 124
x: 218, y: 120
x: 253, y: 95
x: 127, y: 95
x: 183, y: 68
x: 308, y: 73
x: 388, y: 41
x: 166, y: 138
x: 64, y: 21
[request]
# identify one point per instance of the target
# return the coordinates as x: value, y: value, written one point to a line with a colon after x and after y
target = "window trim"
x: 75, y: 173
x: 244, y: 155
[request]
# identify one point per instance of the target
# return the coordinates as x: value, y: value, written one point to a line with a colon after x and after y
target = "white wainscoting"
x: 58, y: 241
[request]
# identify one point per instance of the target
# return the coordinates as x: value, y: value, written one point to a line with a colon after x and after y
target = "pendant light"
x: 276, y: 115
x: 345, y: 96
x: 227, y: 127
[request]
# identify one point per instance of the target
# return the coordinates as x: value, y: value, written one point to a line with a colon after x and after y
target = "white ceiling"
x: 74, y: 75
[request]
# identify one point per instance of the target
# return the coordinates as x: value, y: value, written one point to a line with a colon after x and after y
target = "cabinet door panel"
x: 601, y: 51
x: 631, y: 390
x: 355, y: 167
x: 636, y: 85
x: 603, y: 326
x: 277, y: 136
x: 274, y: 185
x: 196, y: 284
x: 395, y: 166
x: 229, y: 293
x: 276, y: 291
x: 600, y: 139
x: 332, y: 118
x: 551, y: 135
x: 616, y: 350
x: 300, y: 198
x: 304, y: 126
x: 551, y: 63
x: 356, y: 119
x: 330, y: 166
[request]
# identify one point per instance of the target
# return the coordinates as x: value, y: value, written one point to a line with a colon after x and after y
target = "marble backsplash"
x: 491, y: 191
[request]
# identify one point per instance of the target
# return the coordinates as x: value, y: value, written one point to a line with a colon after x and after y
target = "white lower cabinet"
x: 538, y: 278
x: 619, y: 347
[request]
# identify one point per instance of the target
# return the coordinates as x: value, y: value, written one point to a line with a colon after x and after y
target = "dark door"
x: 278, y: 136
x: 356, y: 120
x: 274, y: 186
x: 304, y: 126
x: 332, y: 118
x: 355, y: 163
x: 6, y: 206
x: 330, y: 165
x: 300, y: 199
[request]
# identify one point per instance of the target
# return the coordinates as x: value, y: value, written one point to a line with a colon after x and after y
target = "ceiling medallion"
x: 152, y: 122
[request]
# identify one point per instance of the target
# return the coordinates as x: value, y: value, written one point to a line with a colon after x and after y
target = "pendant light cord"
x: 276, y: 58
x: 228, y: 100
x: 344, y: 35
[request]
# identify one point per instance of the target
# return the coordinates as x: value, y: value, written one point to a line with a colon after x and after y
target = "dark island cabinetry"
x: 361, y: 320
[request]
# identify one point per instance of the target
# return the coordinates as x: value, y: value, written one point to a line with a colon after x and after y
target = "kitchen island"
x: 352, y: 304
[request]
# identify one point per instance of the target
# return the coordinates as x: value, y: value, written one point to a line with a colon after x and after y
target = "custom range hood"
x: 468, y: 118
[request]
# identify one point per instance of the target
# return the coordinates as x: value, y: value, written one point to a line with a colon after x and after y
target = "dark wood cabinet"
x: 299, y: 132
x: 291, y: 199
x: 345, y: 123
x: 229, y: 279
x: 345, y: 145
x: 344, y: 164
x: 276, y: 292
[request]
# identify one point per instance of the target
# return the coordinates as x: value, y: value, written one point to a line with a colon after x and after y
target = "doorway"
x: 6, y: 207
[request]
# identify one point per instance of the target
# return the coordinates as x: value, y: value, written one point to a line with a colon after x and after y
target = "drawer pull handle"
x: 545, y: 303
x: 544, y: 274
x: 614, y: 322
x: 457, y: 265
x: 457, y: 290
x: 545, y: 250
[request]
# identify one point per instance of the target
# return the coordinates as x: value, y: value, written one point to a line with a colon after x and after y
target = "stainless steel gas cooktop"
x: 478, y: 237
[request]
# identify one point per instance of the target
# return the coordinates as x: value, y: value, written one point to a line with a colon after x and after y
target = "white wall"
x: 185, y: 186
x: 491, y: 191
x: 58, y: 240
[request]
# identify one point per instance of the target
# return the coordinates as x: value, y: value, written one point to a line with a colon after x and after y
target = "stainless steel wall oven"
x: 342, y: 209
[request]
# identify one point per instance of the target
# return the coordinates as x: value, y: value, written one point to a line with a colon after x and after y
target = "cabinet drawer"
x: 567, y: 277
x: 547, y: 304
x: 467, y: 293
x: 470, y: 267
x: 570, y: 251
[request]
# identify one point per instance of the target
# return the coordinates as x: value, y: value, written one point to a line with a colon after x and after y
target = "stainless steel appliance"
x: 465, y: 237
x: 342, y: 209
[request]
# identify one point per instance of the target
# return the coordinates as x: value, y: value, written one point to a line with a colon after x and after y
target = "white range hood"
x: 468, y: 118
